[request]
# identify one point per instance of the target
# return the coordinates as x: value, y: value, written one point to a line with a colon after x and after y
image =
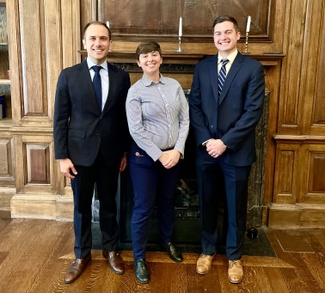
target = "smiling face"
x: 97, y: 43
x: 150, y: 63
x: 225, y: 38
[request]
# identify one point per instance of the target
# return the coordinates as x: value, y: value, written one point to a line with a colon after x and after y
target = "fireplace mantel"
x: 181, y: 62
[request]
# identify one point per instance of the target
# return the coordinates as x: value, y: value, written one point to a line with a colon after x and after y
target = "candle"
x: 180, y: 30
x: 248, y: 24
x: 107, y: 24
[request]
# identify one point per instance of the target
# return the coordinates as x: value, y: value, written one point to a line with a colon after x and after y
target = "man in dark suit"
x: 91, y: 139
x: 225, y: 107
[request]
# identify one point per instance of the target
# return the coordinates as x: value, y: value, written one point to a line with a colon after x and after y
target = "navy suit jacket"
x: 80, y: 128
x: 233, y: 116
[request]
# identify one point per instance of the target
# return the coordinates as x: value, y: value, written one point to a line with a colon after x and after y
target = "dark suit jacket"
x: 233, y: 116
x: 80, y: 128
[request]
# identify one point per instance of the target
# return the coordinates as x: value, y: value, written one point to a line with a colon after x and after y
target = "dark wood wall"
x: 47, y: 35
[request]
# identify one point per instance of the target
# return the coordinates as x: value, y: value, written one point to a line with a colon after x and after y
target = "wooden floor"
x: 34, y: 255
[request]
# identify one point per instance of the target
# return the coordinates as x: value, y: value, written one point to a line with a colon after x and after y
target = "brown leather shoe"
x: 203, y: 264
x: 115, y: 262
x: 235, y: 271
x: 76, y: 269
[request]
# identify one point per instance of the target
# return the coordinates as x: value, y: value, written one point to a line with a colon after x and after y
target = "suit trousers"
x: 105, y: 178
x: 152, y: 185
x: 216, y: 177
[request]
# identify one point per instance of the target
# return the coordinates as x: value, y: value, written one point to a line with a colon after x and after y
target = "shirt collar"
x: 147, y: 81
x: 230, y: 57
x: 91, y: 64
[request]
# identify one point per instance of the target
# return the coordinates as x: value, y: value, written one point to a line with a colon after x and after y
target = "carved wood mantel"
x: 172, y: 60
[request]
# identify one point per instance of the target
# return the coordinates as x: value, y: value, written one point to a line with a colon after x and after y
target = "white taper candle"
x: 180, y: 30
x: 248, y: 24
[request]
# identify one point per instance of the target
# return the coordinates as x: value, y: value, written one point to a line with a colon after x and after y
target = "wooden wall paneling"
x: 284, y: 216
x: 272, y: 80
x: 15, y: 59
x: 33, y: 52
x: 38, y: 26
x: 312, y: 216
x: 70, y: 34
x: 267, y: 18
x: 159, y: 19
x: 312, y: 185
x: 6, y: 161
x: 52, y: 47
x: 88, y: 11
x: 289, y: 115
x: 318, y: 114
x: 36, y: 195
x: 286, y: 183
x: 312, y: 99
x: 37, y: 164
x: 21, y: 163
x: 36, y: 168
x: 301, y: 118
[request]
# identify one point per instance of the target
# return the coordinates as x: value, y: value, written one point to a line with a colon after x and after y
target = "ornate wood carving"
x: 159, y: 19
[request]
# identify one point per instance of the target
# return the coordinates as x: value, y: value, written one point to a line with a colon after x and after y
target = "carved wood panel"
x: 285, y: 177
x: 37, y: 163
x: 159, y: 19
x: 312, y: 181
x: 32, y: 27
x: 6, y: 162
x: 36, y: 173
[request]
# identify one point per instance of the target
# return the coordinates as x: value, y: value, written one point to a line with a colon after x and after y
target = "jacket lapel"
x: 213, y: 72
x: 238, y: 62
x: 112, y: 77
x: 86, y: 86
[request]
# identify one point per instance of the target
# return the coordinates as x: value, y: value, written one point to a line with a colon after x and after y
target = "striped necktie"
x: 222, y: 75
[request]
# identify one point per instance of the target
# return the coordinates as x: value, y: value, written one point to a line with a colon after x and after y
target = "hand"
x: 169, y: 158
x: 67, y: 168
x: 123, y: 163
x: 215, y: 147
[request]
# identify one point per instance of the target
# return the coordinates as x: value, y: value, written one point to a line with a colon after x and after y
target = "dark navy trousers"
x: 106, y: 178
x: 217, y: 179
x: 152, y: 185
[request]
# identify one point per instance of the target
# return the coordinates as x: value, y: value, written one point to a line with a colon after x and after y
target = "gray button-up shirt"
x: 158, y: 115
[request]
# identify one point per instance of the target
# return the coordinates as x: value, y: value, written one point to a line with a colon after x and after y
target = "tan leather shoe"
x: 115, y: 262
x: 235, y: 271
x: 203, y: 264
x: 76, y: 269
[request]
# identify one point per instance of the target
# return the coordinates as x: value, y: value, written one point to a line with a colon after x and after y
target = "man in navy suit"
x: 224, y: 127
x: 91, y: 139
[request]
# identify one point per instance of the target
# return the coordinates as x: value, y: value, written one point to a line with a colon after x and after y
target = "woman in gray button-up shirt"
x: 158, y: 119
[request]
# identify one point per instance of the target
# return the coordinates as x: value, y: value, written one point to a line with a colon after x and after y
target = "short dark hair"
x: 99, y: 23
x: 223, y: 18
x: 147, y: 47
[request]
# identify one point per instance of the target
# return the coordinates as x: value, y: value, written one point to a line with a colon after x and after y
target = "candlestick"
x: 248, y: 26
x: 180, y: 29
x: 246, y: 44
x: 179, y: 50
